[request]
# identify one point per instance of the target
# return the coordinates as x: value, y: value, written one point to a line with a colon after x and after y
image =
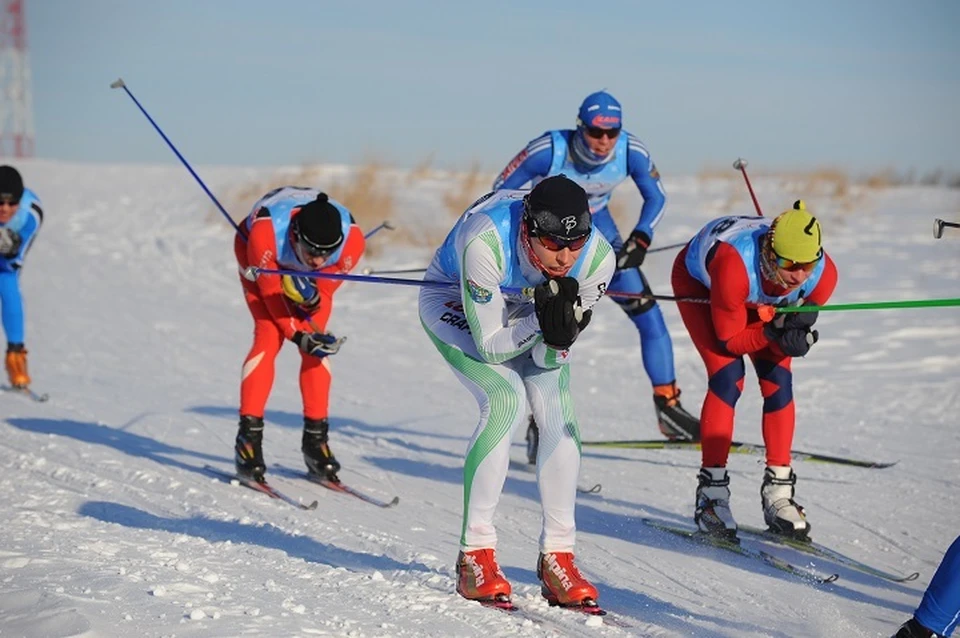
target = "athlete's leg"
x: 258, y: 367
x: 939, y: 610
x: 779, y: 410
x: 725, y: 372
x: 499, y: 392
x: 11, y: 307
x: 656, y: 346
x: 558, y: 458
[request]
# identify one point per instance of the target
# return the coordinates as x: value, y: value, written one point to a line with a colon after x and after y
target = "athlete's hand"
x: 634, y: 250
x: 318, y: 344
x: 9, y: 242
x: 558, y: 311
x: 301, y: 290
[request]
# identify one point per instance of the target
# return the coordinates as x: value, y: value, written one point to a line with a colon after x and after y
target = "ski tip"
x: 312, y: 506
x: 395, y: 501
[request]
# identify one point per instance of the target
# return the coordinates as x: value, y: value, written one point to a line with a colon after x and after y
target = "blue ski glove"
x: 318, y: 344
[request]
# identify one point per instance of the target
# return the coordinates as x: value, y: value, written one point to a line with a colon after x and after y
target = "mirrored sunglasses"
x: 597, y: 133
x: 556, y: 244
x: 794, y: 266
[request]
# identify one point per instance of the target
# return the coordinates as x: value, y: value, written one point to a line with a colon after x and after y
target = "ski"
x: 263, y: 488
x: 820, y: 551
x: 338, y: 486
x: 734, y: 546
x: 738, y: 447
x: 506, y: 605
x: 27, y: 392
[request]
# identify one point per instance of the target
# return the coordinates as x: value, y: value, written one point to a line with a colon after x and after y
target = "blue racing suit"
x: 555, y: 152
x: 26, y: 222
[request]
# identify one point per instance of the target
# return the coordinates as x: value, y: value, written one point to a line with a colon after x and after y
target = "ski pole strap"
x: 874, y: 305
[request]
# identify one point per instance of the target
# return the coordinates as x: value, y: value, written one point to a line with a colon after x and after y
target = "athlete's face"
x: 556, y: 262
x: 793, y: 278
x: 7, y: 209
x: 601, y: 141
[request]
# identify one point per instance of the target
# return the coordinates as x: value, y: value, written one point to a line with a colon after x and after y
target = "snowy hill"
x: 137, y: 329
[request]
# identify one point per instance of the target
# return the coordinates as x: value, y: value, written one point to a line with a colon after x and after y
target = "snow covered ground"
x: 137, y: 329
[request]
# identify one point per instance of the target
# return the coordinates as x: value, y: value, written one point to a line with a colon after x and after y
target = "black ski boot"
x: 248, y: 451
x: 316, y: 449
x: 674, y: 421
x: 913, y: 629
x: 533, y: 441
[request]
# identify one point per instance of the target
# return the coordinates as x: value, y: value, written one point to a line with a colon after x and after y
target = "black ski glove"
x: 634, y: 250
x: 794, y: 342
x: 558, y: 310
x: 317, y: 344
x: 800, y: 319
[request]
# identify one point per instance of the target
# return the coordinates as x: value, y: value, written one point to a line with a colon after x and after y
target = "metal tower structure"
x: 16, y: 97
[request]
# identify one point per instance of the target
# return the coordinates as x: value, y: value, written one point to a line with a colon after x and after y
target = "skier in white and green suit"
x: 508, y: 349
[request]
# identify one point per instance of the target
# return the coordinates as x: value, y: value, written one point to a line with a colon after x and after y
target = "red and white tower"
x: 16, y: 98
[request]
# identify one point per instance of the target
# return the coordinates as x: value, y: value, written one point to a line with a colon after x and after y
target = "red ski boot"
x: 562, y: 583
x: 480, y: 578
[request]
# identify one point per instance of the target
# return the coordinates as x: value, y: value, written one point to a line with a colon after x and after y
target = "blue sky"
x: 860, y: 85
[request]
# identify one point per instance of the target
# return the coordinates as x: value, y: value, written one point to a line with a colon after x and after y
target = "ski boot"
x: 913, y: 629
x: 17, y: 365
x: 561, y: 583
x: 248, y: 451
x: 316, y: 450
x: 533, y: 441
x: 781, y: 513
x: 480, y: 578
x: 713, y: 515
x: 675, y: 423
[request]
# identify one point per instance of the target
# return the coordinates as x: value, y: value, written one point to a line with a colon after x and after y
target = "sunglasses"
x: 9, y: 202
x: 795, y: 266
x: 597, y: 133
x: 556, y: 244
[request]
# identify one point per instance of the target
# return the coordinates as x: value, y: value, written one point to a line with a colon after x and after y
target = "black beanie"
x: 318, y: 223
x: 11, y: 184
x: 558, y: 206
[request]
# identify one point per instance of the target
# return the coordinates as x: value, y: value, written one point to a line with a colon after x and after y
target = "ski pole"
x: 399, y: 271
x: 120, y: 84
x: 252, y: 272
x: 406, y: 271
x: 741, y: 165
x: 938, y: 225
x: 386, y: 224
x: 873, y: 305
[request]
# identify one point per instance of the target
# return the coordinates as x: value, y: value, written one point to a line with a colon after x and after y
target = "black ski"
x: 737, y: 447
x: 734, y: 546
x: 820, y: 551
x: 26, y: 392
x: 257, y: 486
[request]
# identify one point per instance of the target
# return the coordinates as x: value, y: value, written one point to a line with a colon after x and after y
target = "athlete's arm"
x: 532, y: 162
x: 644, y: 174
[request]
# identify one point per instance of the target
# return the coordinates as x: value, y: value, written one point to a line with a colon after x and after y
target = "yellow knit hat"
x: 796, y: 234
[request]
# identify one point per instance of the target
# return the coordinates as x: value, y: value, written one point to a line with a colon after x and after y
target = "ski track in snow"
x: 137, y: 329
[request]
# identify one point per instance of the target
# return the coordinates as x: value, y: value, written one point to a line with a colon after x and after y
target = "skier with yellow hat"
x: 742, y: 264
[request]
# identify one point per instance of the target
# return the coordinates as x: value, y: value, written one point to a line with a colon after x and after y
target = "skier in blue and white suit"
x: 20, y: 219
x: 508, y: 349
x: 599, y: 155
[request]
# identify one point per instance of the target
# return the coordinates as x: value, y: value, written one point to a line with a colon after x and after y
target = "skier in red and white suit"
x: 743, y: 264
x: 292, y: 228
